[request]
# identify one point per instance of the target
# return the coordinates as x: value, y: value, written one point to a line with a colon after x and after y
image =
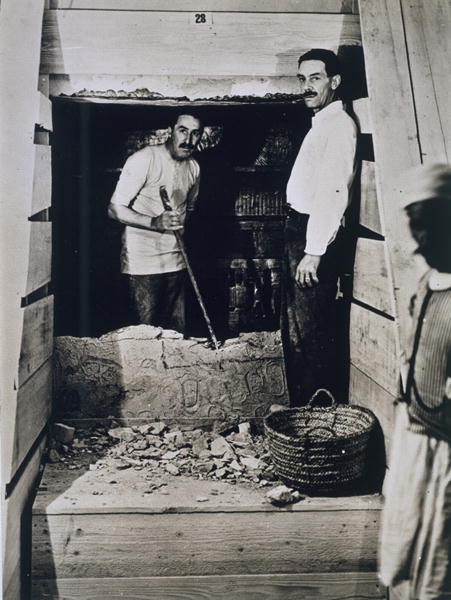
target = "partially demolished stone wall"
x: 144, y: 373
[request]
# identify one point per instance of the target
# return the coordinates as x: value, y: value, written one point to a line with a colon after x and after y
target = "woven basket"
x: 319, y: 449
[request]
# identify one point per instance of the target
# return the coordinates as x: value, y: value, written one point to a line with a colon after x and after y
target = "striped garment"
x: 428, y: 383
x: 415, y: 539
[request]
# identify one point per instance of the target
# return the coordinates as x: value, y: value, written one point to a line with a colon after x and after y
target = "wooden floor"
x: 98, y: 534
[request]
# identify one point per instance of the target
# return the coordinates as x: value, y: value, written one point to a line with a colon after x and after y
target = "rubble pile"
x: 161, y: 450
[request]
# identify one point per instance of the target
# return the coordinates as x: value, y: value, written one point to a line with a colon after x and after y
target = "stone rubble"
x: 162, y: 451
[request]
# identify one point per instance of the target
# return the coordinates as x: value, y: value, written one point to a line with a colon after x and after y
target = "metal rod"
x: 178, y: 236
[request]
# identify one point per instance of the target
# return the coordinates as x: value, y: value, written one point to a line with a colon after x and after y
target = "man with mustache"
x: 317, y: 195
x: 150, y: 256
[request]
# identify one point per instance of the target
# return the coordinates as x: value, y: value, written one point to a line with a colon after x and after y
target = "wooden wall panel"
x: 361, y: 108
x: 118, y: 42
x: 37, y: 337
x: 373, y: 347
x: 372, y: 282
x: 14, y: 509
x: 234, y: 542
x: 369, y: 207
x: 317, y: 6
x: 365, y: 392
x: 40, y: 257
x: 44, y: 118
x: 313, y: 586
x: 42, y: 178
x: 19, y: 21
x: 428, y: 33
x: 33, y: 409
x: 395, y: 135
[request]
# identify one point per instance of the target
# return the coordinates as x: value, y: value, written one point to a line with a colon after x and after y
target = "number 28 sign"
x: 201, y: 18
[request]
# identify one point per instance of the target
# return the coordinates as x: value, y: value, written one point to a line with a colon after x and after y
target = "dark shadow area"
x: 239, y: 215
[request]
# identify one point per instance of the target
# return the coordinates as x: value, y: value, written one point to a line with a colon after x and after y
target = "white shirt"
x: 322, y: 175
x: 147, y: 252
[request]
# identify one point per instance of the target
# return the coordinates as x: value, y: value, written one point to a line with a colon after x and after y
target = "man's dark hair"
x: 429, y: 223
x: 189, y: 113
x: 329, y: 58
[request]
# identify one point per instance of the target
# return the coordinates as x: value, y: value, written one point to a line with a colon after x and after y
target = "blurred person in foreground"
x: 415, y: 544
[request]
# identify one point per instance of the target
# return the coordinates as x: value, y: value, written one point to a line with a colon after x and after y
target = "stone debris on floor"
x: 233, y: 454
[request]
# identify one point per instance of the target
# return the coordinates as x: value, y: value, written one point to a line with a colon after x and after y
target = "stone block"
x: 141, y: 373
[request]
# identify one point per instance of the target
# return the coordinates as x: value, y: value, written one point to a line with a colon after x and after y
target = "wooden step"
x: 324, y: 586
x: 102, y: 534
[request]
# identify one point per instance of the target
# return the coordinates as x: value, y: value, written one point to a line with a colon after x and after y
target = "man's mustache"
x: 187, y: 146
x: 309, y: 95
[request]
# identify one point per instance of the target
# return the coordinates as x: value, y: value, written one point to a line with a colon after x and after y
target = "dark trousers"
x: 309, y: 317
x: 159, y: 300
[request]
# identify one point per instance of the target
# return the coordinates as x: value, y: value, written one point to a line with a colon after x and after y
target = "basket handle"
x: 333, y: 402
x: 328, y: 429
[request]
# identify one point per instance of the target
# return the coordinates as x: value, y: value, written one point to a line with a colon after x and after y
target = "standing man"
x: 317, y: 195
x: 150, y: 255
x: 415, y: 540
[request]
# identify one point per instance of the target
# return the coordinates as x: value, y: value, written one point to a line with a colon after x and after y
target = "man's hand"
x: 306, y: 270
x: 169, y: 220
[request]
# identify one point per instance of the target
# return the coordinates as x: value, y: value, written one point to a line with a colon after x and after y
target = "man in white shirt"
x: 150, y: 255
x: 317, y: 195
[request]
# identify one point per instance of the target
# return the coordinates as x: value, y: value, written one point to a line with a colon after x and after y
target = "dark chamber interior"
x: 235, y: 239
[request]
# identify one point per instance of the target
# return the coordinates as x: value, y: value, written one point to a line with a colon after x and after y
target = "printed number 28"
x: 200, y: 18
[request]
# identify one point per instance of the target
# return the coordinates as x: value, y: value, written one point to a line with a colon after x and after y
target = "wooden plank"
x: 44, y: 118
x: 143, y: 545
x: 40, y: 258
x: 321, y: 586
x: 34, y: 405
x: 395, y: 136
x: 400, y: 592
x: 373, y: 347
x: 14, y: 508
x: 361, y: 109
x: 37, y: 337
x: 372, y: 283
x: 20, y: 41
x: 365, y: 392
x: 274, y: 6
x: 69, y: 492
x: 95, y: 42
x: 369, y: 206
x: 42, y: 179
x: 428, y: 33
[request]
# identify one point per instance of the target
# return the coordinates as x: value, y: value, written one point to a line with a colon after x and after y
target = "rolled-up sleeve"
x: 132, y: 179
x: 194, y: 190
x: 333, y: 180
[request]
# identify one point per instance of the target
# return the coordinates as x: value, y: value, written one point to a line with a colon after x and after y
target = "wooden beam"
x: 372, y: 283
x: 428, y: 33
x: 40, y: 257
x: 44, y: 118
x: 273, y: 586
x: 34, y: 404
x: 361, y: 109
x: 395, y: 136
x: 17, y: 544
x: 20, y: 42
x: 365, y: 392
x: 42, y: 179
x: 272, y: 6
x: 373, y: 347
x: 256, y: 44
x: 369, y: 206
x: 37, y: 337
x: 201, y: 543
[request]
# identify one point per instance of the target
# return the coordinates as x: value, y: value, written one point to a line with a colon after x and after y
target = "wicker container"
x: 319, y: 450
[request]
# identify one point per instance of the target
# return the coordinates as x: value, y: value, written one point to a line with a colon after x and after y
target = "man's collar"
x: 438, y: 282
x: 333, y: 107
